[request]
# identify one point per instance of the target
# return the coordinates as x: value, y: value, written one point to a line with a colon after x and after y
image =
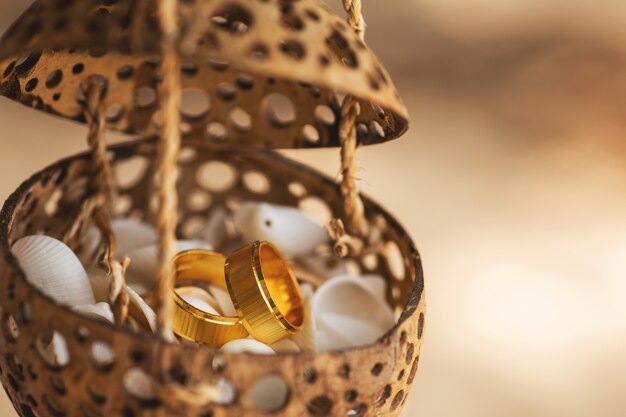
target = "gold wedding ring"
x: 194, y: 324
x: 264, y: 291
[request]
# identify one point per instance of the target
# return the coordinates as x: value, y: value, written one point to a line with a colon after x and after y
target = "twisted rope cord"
x: 100, y: 183
x: 346, y: 238
x: 169, y: 147
x: 102, y: 189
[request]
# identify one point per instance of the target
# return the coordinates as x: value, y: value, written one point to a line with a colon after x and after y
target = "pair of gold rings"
x: 260, y: 283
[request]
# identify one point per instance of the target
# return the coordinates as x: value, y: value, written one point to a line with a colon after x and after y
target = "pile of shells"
x: 342, y: 309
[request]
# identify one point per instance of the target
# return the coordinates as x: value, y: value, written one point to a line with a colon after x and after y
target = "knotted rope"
x: 102, y: 189
x: 347, y: 238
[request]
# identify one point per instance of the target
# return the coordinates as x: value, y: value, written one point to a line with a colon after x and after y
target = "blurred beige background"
x: 512, y: 181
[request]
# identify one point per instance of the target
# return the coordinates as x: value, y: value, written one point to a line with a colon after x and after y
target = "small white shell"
x: 56, y: 353
x: 143, y: 262
x: 138, y: 384
x: 102, y: 353
x: 215, y: 230
x: 351, y: 311
x: 146, y: 310
x: 227, y: 392
x: 285, y: 345
x: 306, y: 338
x: 335, y: 331
x: 99, y: 284
x: 98, y: 311
x: 247, y: 345
x: 131, y: 234
x: 323, y: 267
x: 54, y: 269
x: 290, y: 230
x: 223, y: 301
x: 90, y: 244
x: 200, y: 303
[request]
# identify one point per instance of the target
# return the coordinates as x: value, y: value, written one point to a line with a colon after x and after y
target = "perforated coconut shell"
x: 362, y: 381
x: 265, y: 74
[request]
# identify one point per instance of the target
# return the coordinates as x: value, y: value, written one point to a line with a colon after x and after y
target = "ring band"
x: 264, y: 291
x: 194, y: 324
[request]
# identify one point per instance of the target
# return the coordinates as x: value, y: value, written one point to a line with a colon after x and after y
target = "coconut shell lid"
x: 259, y: 74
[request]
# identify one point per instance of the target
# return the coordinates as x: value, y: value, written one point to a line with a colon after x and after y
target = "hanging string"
x: 100, y: 183
x: 347, y: 237
x: 102, y: 190
x: 169, y: 146
x: 168, y: 149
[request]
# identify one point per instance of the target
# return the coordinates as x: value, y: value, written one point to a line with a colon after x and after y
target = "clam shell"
x: 54, y: 269
x: 131, y: 234
x: 306, y: 338
x: 98, y: 311
x: 143, y: 262
x: 247, y: 345
x: 215, y: 230
x: 290, y: 230
x: 351, y: 311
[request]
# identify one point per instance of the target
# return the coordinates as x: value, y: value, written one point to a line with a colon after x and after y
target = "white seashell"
x: 132, y: 234
x: 146, y: 310
x: 247, y: 345
x: 99, y: 284
x: 351, y: 311
x: 226, y: 391
x: 102, y: 353
x: 285, y: 345
x: 335, y: 331
x: 199, y: 303
x: 290, y: 230
x: 353, y: 297
x: 306, y: 338
x: 56, y: 353
x: 215, y: 230
x: 138, y: 384
x: 323, y: 267
x: 98, y: 311
x: 269, y: 394
x: 143, y: 262
x: 374, y: 283
x: 89, y: 246
x: 223, y: 301
x: 54, y: 269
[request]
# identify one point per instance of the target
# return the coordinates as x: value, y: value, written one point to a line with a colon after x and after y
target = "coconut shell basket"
x: 262, y: 75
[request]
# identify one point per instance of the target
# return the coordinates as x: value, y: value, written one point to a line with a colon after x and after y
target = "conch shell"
x: 289, y: 229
